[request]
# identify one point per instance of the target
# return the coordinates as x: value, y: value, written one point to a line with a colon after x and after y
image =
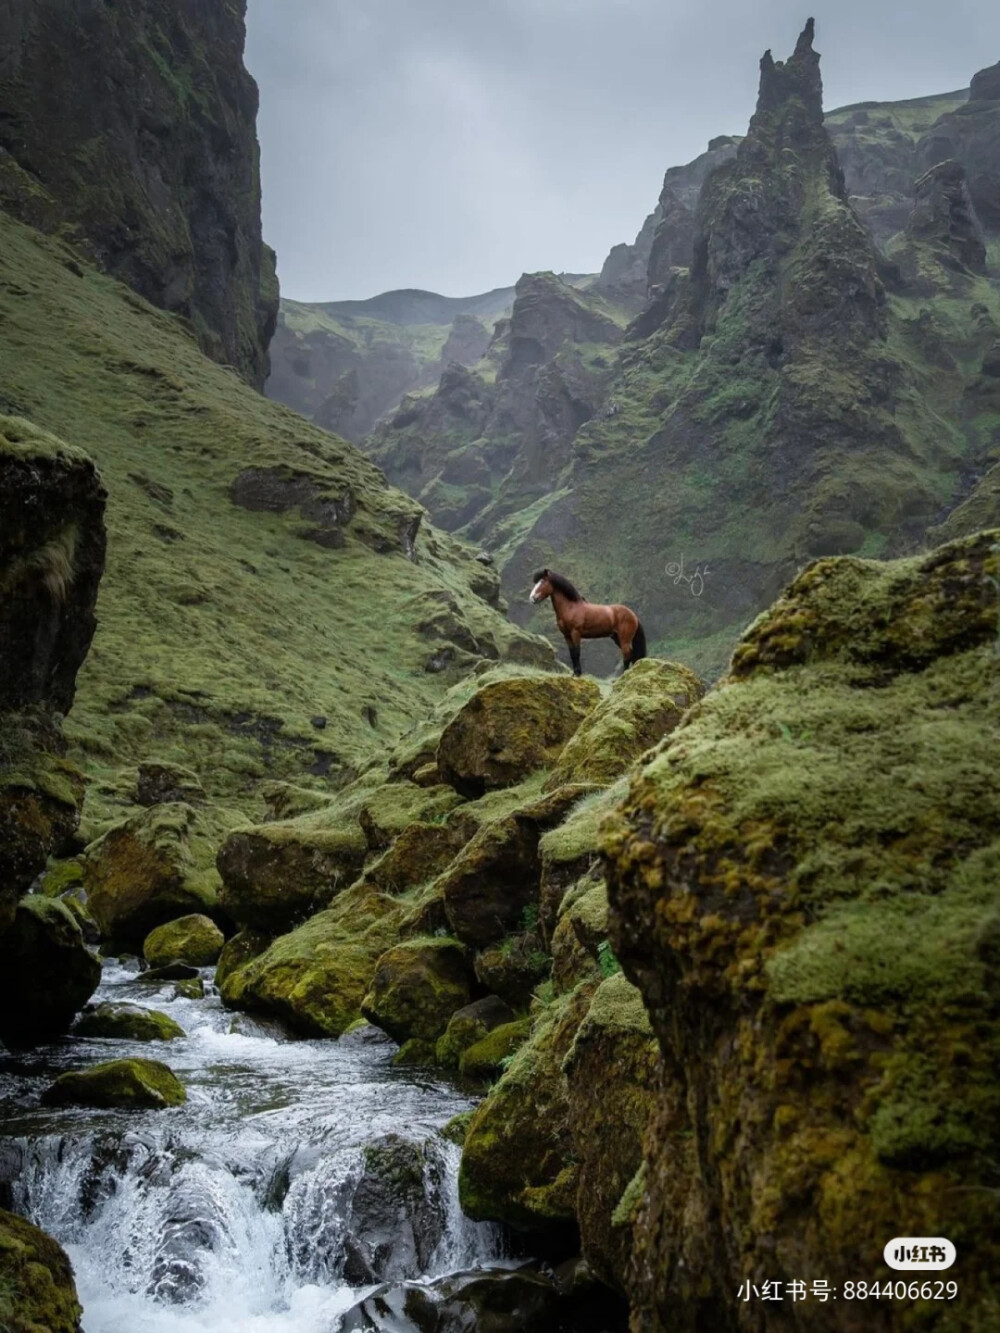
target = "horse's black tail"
x: 638, y: 644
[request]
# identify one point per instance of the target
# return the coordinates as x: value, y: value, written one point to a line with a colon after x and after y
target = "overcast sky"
x: 454, y: 144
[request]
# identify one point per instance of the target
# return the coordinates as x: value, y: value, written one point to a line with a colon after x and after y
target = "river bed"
x: 236, y: 1210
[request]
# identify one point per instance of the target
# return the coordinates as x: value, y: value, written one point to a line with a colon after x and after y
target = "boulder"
x: 144, y: 872
x: 37, y: 1291
x: 47, y: 973
x: 40, y: 799
x: 192, y: 939
x: 644, y: 705
x: 160, y: 783
x: 315, y: 977
x: 394, y: 1221
x: 803, y: 886
x: 126, y: 1022
x: 52, y: 544
x: 416, y: 988
x: 488, y: 1056
x: 511, y: 728
x: 608, y: 1118
x: 395, y: 805
x: 237, y: 951
x: 519, y: 1162
x: 469, y: 1025
x: 131, y: 1085
x: 420, y: 853
x: 276, y: 875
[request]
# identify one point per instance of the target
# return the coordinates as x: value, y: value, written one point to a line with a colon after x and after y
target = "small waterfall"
x: 278, y: 1195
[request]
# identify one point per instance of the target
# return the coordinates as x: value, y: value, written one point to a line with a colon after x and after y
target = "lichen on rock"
x: 803, y: 887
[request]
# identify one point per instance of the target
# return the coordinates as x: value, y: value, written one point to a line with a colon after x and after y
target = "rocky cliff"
x: 802, y: 887
x: 151, y: 170
x: 346, y: 363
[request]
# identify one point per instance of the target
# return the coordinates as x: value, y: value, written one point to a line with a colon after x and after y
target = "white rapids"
x: 228, y: 1214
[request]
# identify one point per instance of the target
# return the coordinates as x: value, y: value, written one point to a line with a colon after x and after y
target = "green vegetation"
x: 222, y: 631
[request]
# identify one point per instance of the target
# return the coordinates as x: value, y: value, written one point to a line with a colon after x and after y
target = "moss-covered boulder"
x: 394, y: 805
x: 579, y: 940
x: 239, y: 950
x: 193, y: 939
x: 519, y: 1163
x: 803, y: 885
x: 150, y: 869
x: 612, y: 1073
x: 494, y: 880
x: 40, y: 798
x: 469, y: 1025
x: 420, y: 853
x: 127, y: 1022
x: 515, y: 967
x: 159, y: 782
x: 47, y: 973
x: 37, y: 1291
x: 131, y: 1085
x: 313, y: 978
x: 511, y: 728
x: 393, y: 1222
x: 644, y: 705
x: 487, y: 1057
x: 417, y: 986
x: 276, y: 875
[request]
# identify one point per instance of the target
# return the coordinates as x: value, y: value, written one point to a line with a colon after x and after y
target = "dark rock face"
x: 943, y: 216
x: 52, y: 545
x: 971, y: 135
x: 396, y: 1213
x: 47, y: 973
x: 155, y: 174
x: 673, y: 239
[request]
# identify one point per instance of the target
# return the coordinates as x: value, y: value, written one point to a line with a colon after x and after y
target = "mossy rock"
x: 469, y: 1025
x: 519, y: 1162
x: 160, y: 782
x: 127, y: 1022
x: 420, y: 853
x: 37, y: 1291
x: 512, y: 728
x: 580, y: 934
x: 274, y: 876
x: 644, y: 705
x: 149, y: 870
x: 487, y: 1057
x: 315, y: 977
x: 40, y: 799
x: 394, y: 805
x: 608, y: 1117
x: 191, y: 939
x: 128, y: 1084
x: 47, y: 973
x: 237, y: 951
x: 515, y: 967
x: 803, y: 884
x: 417, y: 986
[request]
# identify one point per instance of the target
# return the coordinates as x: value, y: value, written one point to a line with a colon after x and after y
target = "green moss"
x: 417, y: 986
x: 128, y: 1084
x: 628, y: 1205
x: 37, y: 1292
x: 189, y: 939
x: 487, y: 1057
x: 127, y: 1022
x: 255, y: 631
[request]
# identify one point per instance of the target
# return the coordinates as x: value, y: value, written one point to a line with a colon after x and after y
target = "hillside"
x: 247, y: 552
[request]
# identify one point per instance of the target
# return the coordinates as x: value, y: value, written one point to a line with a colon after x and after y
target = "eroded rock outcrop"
x: 162, y: 189
x: 802, y: 886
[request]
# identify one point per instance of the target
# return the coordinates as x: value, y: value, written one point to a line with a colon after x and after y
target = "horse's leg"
x: 623, y: 638
x: 573, y: 643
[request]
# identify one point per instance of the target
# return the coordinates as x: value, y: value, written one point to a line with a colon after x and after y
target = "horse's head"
x: 543, y: 585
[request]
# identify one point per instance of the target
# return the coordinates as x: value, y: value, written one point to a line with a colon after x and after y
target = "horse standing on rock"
x: 579, y: 619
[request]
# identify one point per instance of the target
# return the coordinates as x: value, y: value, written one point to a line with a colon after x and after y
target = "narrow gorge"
x: 362, y: 968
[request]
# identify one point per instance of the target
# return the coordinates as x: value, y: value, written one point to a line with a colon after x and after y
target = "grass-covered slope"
x: 239, y: 641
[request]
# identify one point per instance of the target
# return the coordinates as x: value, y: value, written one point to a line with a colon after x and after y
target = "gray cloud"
x: 453, y: 144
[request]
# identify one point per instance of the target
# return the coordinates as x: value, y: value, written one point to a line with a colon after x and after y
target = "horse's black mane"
x: 560, y: 584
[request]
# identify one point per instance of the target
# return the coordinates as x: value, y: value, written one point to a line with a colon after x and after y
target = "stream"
x: 240, y: 1210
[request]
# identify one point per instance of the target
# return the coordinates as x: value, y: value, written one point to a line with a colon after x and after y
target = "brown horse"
x: 579, y: 619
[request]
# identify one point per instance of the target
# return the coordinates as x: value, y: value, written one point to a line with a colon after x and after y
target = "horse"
x: 579, y: 619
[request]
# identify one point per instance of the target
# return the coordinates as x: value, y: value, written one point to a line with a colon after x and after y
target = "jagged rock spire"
x: 796, y: 77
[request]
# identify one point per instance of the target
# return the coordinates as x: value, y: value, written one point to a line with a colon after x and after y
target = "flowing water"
x: 235, y: 1211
